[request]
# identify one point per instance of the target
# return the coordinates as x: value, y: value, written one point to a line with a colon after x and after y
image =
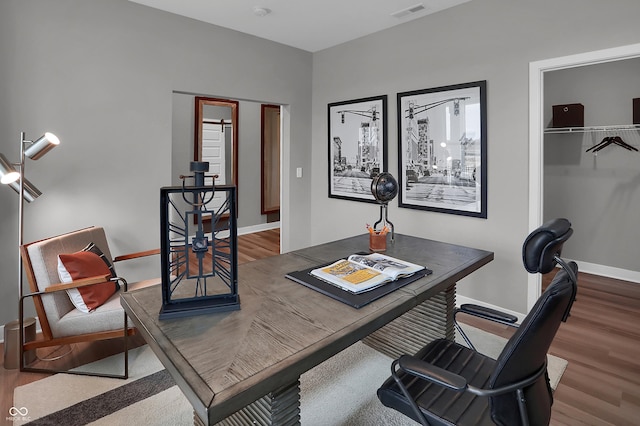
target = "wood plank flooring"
x: 601, y: 341
x: 258, y: 245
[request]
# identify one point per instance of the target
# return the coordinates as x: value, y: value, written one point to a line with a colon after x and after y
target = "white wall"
x: 101, y: 75
x: 481, y: 40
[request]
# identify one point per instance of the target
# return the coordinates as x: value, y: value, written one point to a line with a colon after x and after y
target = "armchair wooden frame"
x: 47, y: 339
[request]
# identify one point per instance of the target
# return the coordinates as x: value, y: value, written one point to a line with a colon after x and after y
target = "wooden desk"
x: 252, y: 359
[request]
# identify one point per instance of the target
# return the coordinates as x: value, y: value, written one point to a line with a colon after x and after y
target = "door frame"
x: 537, y: 70
x: 267, y: 209
x: 200, y: 102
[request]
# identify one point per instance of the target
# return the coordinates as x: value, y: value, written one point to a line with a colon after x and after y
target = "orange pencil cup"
x: 377, y: 241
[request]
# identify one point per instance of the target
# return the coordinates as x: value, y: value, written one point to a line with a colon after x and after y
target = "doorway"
x: 537, y: 71
x: 242, y: 153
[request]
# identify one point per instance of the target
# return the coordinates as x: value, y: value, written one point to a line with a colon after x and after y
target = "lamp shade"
x: 40, y: 147
x: 30, y: 191
x: 7, y: 173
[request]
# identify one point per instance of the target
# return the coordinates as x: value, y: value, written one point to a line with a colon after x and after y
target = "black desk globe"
x: 384, y: 187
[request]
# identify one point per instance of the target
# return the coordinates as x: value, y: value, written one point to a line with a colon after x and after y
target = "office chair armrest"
x: 484, y: 313
x: 423, y: 370
x: 518, y: 387
x: 489, y: 314
x: 136, y: 255
x: 417, y: 367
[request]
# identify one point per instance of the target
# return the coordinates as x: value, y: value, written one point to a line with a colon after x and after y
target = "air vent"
x: 408, y: 11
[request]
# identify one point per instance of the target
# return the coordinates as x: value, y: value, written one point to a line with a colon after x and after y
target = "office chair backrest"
x: 526, y: 351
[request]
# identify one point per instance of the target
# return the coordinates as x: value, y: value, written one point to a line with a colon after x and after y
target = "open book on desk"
x: 359, y: 273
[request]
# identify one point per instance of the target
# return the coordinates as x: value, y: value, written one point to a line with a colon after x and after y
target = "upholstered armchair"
x: 76, y: 292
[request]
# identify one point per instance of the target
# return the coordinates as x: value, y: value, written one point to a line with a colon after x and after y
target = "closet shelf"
x: 590, y: 129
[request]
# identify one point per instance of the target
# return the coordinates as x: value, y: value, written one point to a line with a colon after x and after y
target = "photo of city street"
x: 442, y: 149
x: 357, y: 147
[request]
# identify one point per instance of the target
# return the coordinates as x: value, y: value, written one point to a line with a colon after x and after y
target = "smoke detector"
x: 261, y: 11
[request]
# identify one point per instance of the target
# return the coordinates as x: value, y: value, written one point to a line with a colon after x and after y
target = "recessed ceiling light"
x: 261, y: 11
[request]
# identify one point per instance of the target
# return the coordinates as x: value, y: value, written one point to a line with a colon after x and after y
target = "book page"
x: 386, y: 264
x: 350, y: 272
x: 350, y: 276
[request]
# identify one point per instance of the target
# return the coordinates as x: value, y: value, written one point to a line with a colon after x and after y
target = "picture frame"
x: 357, y: 146
x: 442, y: 149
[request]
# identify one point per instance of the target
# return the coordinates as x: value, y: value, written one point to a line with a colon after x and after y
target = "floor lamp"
x: 27, y: 191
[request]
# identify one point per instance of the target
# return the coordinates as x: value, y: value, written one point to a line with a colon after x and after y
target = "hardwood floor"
x: 258, y: 245
x: 601, y: 341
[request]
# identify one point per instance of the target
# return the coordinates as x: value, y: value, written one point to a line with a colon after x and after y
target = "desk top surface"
x: 224, y: 361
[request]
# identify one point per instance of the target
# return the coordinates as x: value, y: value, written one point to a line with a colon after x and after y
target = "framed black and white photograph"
x: 442, y: 149
x: 357, y: 146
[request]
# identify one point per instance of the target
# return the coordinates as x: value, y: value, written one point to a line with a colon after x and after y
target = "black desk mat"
x: 357, y: 300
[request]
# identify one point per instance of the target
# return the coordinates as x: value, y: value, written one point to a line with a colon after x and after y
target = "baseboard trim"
x: 258, y: 228
x: 609, y: 272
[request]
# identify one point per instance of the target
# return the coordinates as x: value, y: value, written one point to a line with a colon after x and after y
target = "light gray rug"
x: 340, y: 391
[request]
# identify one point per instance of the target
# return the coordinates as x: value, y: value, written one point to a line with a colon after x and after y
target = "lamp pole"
x: 25, y: 189
x: 22, y: 338
x: 21, y: 215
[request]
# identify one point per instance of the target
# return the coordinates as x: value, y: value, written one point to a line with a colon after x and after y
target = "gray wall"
x: 101, y: 75
x: 600, y: 193
x: 481, y: 40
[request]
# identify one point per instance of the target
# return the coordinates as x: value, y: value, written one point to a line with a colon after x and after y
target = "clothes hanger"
x: 603, y: 143
x: 608, y: 140
x: 618, y: 141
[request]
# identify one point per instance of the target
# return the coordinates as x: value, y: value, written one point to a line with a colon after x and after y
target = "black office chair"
x: 446, y: 383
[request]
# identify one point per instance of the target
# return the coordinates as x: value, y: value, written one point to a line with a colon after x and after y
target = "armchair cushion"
x: 85, y: 264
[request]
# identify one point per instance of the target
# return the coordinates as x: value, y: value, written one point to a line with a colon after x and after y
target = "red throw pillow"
x: 85, y: 264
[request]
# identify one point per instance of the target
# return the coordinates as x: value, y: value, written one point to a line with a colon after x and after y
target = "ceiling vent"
x: 408, y: 11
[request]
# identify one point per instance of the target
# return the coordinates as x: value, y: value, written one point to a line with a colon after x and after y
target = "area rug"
x: 340, y: 391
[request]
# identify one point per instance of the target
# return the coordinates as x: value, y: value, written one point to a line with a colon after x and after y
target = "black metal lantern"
x: 198, y: 247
